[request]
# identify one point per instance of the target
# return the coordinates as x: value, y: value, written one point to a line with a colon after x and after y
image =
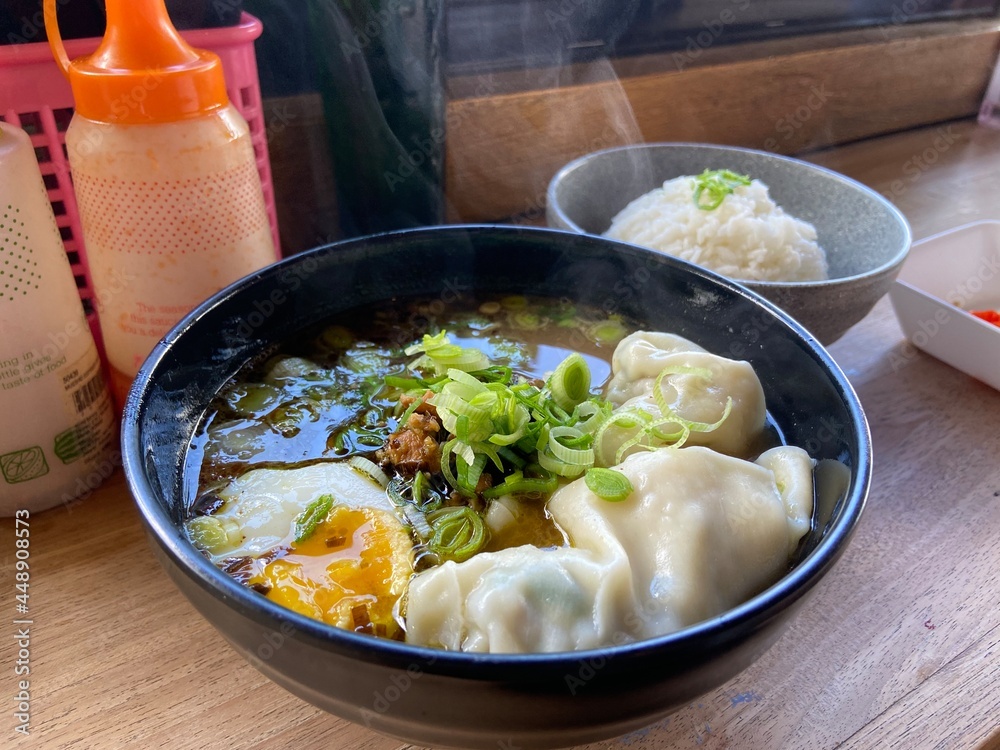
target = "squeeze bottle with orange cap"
x: 165, y: 176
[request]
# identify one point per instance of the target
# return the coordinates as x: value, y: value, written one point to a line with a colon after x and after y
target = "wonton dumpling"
x: 641, y: 357
x: 703, y: 531
x: 793, y: 475
x: 700, y: 533
x: 521, y: 600
x: 265, y: 502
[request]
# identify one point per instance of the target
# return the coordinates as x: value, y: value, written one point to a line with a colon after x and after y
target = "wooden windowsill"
x: 693, y: 57
x: 509, y: 133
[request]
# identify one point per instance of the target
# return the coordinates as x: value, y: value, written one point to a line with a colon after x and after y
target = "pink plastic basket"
x: 35, y: 96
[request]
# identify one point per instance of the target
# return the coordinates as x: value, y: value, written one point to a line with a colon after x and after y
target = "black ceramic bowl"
x: 447, y: 699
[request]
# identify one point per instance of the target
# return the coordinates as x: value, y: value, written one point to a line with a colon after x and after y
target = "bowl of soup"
x: 476, y: 485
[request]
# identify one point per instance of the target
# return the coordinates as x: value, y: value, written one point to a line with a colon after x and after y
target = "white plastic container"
x: 165, y: 176
x: 944, y: 277
x: 57, y: 440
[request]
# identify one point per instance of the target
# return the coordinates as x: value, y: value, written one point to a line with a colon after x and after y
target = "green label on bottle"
x: 70, y: 445
x: 23, y: 465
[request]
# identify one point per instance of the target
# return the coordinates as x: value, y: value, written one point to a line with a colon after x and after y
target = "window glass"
x: 507, y: 34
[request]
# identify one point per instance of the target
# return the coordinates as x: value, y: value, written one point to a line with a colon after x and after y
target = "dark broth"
x: 322, y: 396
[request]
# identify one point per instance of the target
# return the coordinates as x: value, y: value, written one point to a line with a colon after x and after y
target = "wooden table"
x: 899, y: 647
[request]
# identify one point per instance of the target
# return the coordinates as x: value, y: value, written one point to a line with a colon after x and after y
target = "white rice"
x: 748, y: 237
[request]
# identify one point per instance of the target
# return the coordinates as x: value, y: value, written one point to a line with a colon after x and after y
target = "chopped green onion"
x: 451, y: 406
x: 527, y: 321
x: 649, y: 433
x: 570, y: 383
x: 549, y: 412
x: 715, y: 185
x: 447, y: 450
x: 433, y: 502
x: 459, y: 533
x: 469, y: 381
x: 362, y: 359
x: 510, y: 456
x: 473, y: 472
x: 501, y: 513
x: 336, y: 337
x: 395, y: 490
x: 445, y: 355
x: 413, y: 383
x: 290, y: 416
x: 395, y: 381
x: 560, y: 467
x: 528, y: 443
x: 676, y: 437
x: 510, y: 422
x: 417, y: 488
x: 491, y: 417
x: 214, y: 535
x: 314, y: 514
x: 490, y: 452
x: 418, y: 521
x: 607, y: 332
x: 288, y: 368
x: 338, y: 441
x: 590, y: 415
x: 557, y: 439
x: 462, y: 428
x: 370, y: 440
x: 253, y: 398
x: 369, y: 469
x: 416, y: 492
x: 559, y: 459
x: 666, y: 411
x: 410, y: 410
x: 518, y: 484
x: 608, y: 484
x: 495, y: 374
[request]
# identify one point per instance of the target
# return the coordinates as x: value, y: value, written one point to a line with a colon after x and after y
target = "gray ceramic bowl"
x: 446, y: 699
x: 866, y: 239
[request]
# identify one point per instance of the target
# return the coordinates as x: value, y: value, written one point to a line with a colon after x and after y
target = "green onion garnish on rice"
x: 712, y: 187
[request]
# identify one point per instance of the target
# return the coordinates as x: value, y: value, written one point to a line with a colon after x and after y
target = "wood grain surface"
x: 898, y: 648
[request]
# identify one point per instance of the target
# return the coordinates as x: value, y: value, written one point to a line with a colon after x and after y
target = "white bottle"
x: 165, y: 176
x: 57, y: 429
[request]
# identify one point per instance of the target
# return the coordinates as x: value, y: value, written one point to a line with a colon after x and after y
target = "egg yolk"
x: 350, y: 572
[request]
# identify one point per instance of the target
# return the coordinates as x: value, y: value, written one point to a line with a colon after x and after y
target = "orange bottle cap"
x: 143, y: 71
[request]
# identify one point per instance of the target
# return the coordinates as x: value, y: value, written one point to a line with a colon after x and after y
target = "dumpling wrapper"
x: 640, y: 358
x: 700, y: 533
x: 265, y: 502
x: 520, y: 600
x: 703, y: 531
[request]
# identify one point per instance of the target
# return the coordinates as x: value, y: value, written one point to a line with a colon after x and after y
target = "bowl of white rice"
x: 819, y: 245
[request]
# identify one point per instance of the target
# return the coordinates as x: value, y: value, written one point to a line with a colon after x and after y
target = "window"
x: 489, y: 35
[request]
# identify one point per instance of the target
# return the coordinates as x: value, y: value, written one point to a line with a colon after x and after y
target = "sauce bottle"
x: 165, y: 176
x: 58, y: 428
